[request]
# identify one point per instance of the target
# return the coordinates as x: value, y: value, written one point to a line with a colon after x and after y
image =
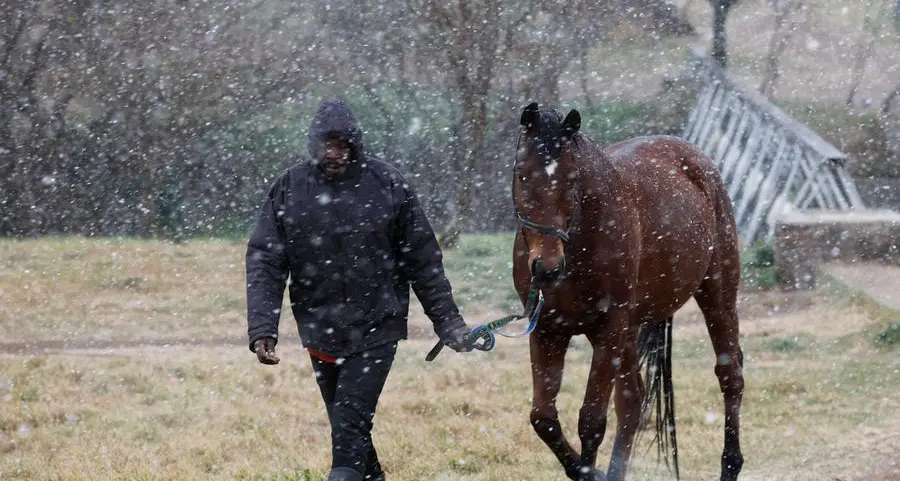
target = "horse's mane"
x: 548, y: 135
x: 548, y: 132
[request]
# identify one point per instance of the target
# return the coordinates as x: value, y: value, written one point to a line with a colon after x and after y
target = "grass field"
x: 126, y: 360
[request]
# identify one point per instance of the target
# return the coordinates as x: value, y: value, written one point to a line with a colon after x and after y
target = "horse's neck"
x: 601, y: 190
x: 596, y: 170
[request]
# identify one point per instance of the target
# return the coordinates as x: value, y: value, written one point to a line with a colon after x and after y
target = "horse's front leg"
x: 593, y: 416
x: 548, y: 352
x: 629, y: 389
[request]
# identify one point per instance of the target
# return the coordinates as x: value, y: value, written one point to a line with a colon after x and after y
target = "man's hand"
x: 456, y: 339
x: 265, y: 350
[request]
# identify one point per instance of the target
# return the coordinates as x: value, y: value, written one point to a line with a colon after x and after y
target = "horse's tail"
x: 655, y: 357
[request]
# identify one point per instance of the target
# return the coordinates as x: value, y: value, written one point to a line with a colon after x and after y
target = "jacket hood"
x: 334, y: 120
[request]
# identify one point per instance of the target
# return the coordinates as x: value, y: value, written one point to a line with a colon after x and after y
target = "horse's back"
x: 677, y: 195
x: 668, y: 167
x: 669, y: 181
x: 666, y: 160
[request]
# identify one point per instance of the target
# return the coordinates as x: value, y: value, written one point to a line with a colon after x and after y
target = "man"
x: 350, y: 233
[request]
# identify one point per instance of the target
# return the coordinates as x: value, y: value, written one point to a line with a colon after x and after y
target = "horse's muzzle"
x: 544, y: 276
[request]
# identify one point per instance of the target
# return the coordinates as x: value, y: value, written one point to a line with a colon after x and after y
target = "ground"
x: 868, y: 452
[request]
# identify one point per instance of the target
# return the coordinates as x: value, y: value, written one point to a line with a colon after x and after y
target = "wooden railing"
x: 771, y: 163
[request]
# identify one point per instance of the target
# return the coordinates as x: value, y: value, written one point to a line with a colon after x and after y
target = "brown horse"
x: 618, y: 239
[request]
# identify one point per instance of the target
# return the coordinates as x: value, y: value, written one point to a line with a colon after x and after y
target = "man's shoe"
x: 344, y: 474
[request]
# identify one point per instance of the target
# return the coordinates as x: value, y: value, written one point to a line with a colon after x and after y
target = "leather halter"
x: 562, y: 234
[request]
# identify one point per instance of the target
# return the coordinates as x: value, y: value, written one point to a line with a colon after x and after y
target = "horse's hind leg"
x: 548, y: 354
x: 717, y: 298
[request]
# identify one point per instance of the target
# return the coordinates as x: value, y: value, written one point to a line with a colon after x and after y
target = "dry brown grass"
x: 81, y: 289
x: 822, y: 400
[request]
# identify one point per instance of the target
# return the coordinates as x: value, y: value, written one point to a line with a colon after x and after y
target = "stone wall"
x: 803, y: 240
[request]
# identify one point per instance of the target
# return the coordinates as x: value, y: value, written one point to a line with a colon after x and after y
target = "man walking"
x: 348, y: 231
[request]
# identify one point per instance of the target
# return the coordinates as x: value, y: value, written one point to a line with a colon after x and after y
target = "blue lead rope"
x: 482, y: 337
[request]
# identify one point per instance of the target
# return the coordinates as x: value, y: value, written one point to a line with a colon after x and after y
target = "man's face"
x: 337, y: 157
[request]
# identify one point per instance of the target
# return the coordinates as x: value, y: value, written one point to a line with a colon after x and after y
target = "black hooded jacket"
x: 351, y: 246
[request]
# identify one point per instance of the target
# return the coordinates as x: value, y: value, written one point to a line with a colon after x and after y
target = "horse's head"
x: 544, y: 188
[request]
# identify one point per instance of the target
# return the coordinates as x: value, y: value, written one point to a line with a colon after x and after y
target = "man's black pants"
x: 351, y: 389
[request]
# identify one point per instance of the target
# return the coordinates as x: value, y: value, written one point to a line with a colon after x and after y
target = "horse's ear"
x: 571, y: 124
x: 530, y: 116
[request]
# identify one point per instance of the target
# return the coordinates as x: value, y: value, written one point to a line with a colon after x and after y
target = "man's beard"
x: 334, y: 167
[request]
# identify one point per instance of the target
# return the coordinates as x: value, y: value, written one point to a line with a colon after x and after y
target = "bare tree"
x: 374, y: 47
x: 33, y: 98
x: 872, y: 22
x: 786, y: 23
x: 562, y: 33
x: 471, y: 49
x: 897, y: 15
x: 890, y: 121
x: 104, y: 102
x: 529, y: 47
x: 163, y: 118
x: 720, y: 17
